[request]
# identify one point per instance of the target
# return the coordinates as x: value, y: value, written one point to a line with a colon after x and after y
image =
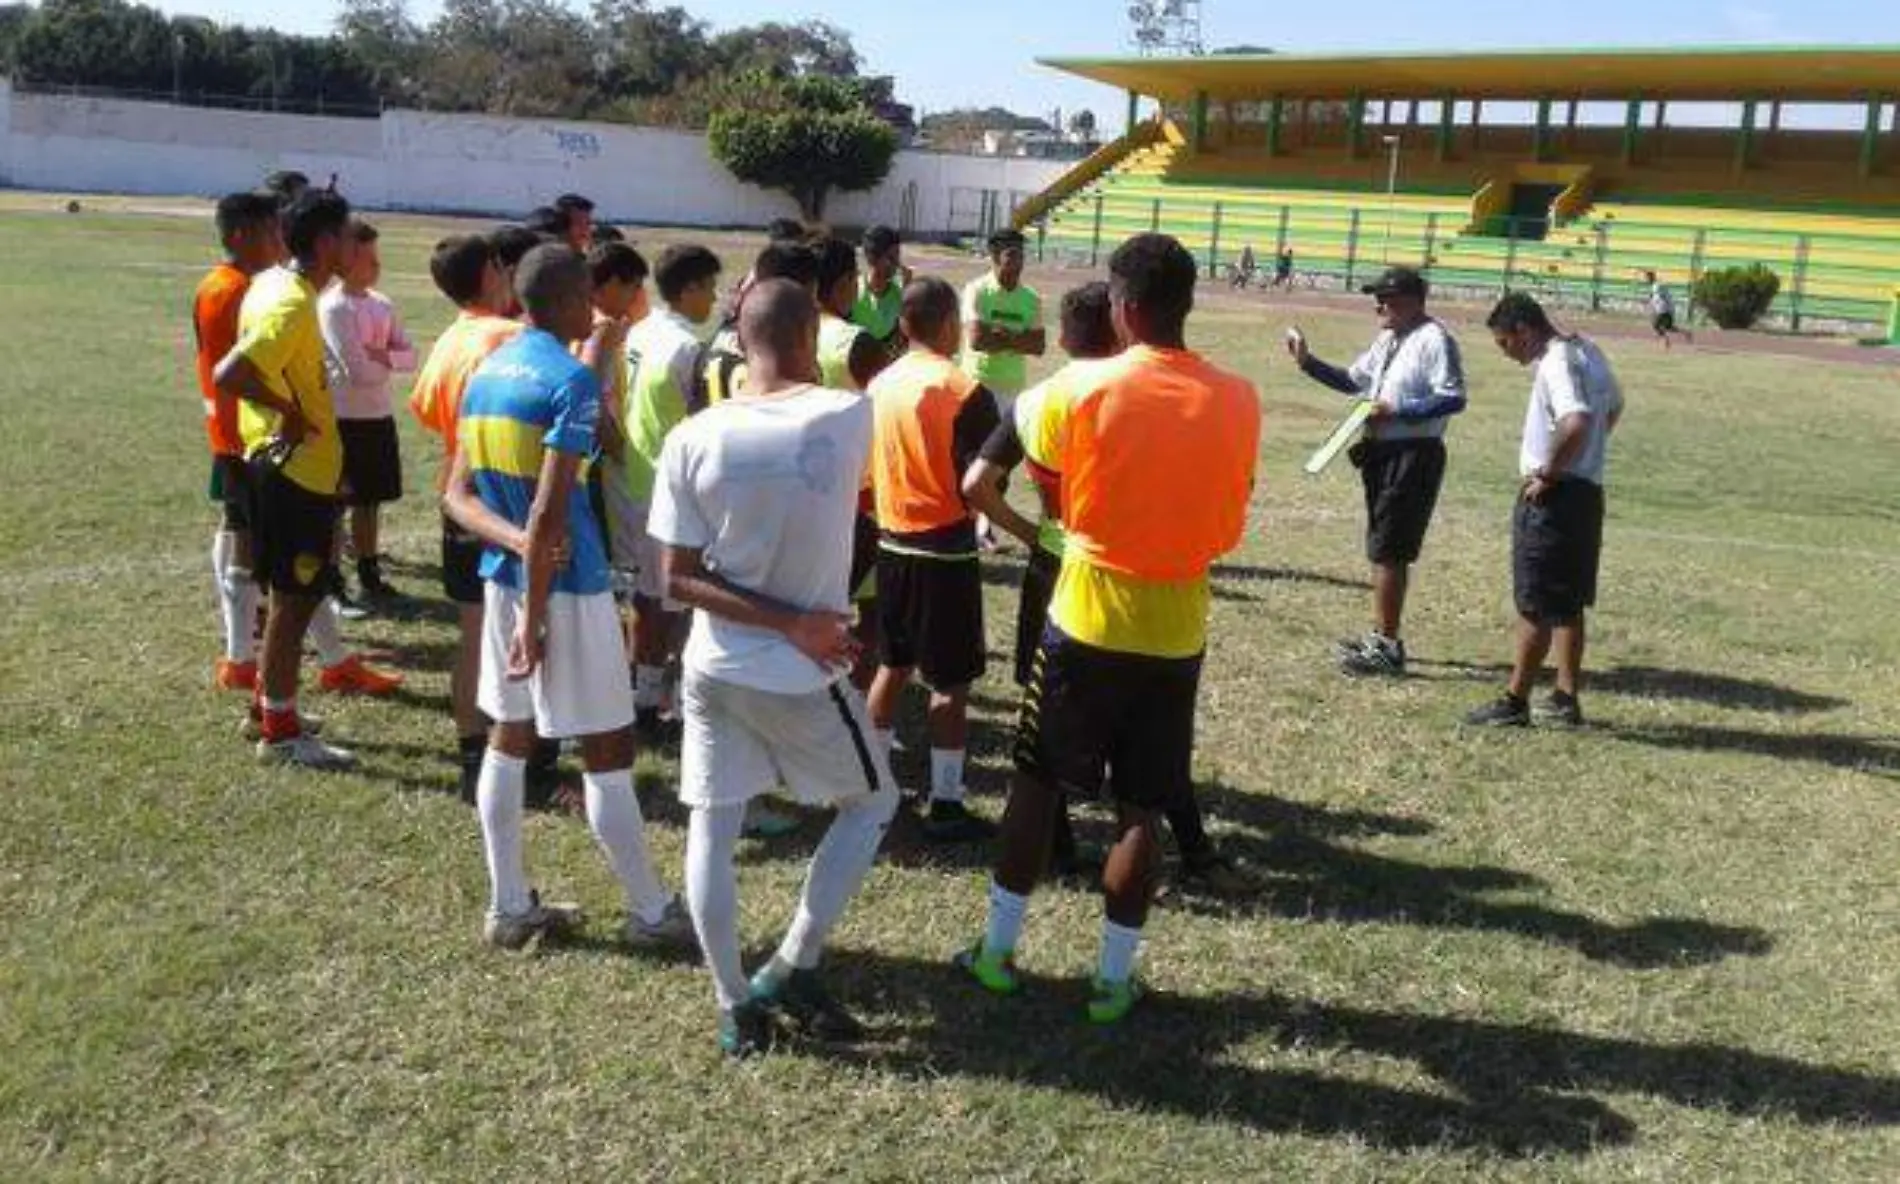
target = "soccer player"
x: 1557, y: 526
x: 509, y: 244
x: 1087, y: 334
x: 755, y: 505
x: 551, y: 649
x: 663, y: 358
x: 288, y: 423
x: 1662, y: 312
x: 465, y: 270
x: 849, y: 355
x: 1415, y: 377
x: 368, y: 346
x: 248, y: 229
x: 1116, y: 680
x: 580, y: 220
x: 932, y: 418
x: 1002, y: 318
x: 880, y: 300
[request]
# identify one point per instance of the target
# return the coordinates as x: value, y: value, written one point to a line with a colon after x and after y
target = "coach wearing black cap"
x: 1416, y: 381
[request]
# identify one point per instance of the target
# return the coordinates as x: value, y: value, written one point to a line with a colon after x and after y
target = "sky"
x: 982, y: 52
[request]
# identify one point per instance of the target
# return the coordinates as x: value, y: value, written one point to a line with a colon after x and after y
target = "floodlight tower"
x: 1166, y: 27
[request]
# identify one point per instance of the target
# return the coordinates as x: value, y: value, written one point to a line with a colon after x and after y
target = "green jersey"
x: 877, y: 312
x: 1017, y: 309
x: 663, y: 356
x: 836, y: 339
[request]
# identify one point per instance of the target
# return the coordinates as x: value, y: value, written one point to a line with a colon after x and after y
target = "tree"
x: 387, y: 46
x: 810, y: 47
x: 805, y: 136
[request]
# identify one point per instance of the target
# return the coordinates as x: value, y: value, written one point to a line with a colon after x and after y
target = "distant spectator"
x: 1662, y: 311
x: 580, y: 220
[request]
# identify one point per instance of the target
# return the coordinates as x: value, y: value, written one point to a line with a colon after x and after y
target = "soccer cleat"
x: 801, y: 998
x: 673, y: 931
x: 348, y: 609
x: 1505, y: 711
x: 995, y: 973
x: 541, y: 921
x: 1110, y: 1003
x: 745, y: 1031
x: 951, y: 822
x: 654, y: 730
x: 1375, y: 657
x: 1558, y: 710
x: 763, y: 822
x: 251, y: 727
x: 353, y: 676
x: 305, y: 751
x: 234, y: 676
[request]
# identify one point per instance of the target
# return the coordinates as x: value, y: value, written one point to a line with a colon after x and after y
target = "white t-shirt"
x: 1573, y: 376
x: 767, y: 489
x: 1419, y: 370
x: 1661, y: 302
x: 352, y: 326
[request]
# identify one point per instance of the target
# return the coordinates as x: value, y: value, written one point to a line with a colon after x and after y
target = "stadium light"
x: 1391, y: 189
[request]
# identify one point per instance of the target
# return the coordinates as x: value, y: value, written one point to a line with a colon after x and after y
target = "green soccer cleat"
x: 1111, y: 1002
x: 995, y: 973
x: 745, y: 1031
x: 801, y: 999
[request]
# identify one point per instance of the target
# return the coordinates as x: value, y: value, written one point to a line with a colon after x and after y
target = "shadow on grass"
x: 1876, y: 755
x: 1651, y: 682
x: 1513, y: 1090
x: 1247, y: 573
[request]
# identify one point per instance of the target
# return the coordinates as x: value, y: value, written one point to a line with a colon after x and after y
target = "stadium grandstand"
x: 1563, y: 173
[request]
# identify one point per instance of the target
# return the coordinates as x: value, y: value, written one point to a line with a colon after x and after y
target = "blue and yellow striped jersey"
x: 530, y: 397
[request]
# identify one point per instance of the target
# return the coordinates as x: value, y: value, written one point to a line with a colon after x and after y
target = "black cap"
x: 1398, y: 281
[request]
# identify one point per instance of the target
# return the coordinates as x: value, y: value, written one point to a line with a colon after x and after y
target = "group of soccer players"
x: 791, y: 481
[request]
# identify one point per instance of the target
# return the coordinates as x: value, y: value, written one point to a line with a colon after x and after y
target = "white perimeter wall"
x: 459, y: 163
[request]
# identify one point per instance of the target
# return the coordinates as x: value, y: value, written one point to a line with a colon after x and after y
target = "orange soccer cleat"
x: 234, y: 676
x: 353, y: 676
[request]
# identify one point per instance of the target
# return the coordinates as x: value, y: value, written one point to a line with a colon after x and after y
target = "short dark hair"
x: 315, y: 213
x: 286, y: 186
x: 777, y: 314
x: 1006, y: 239
x: 1157, y: 274
x: 574, y: 203
x: 547, y: 275
x: 836, y: 260
x: 682, y: 266
x: 242, y: 211
x: 928, y: 303
x: 458, y: 264
x: 608, y: 262
x: 1088, y: 322
x: 605, y: 232
x: 362, y: 231
x: 548, y: 220
x: 1518, y: 310
x: 784, y: 260
x: 510, y: 243
x: 879, y: 240
x: 785, y: 228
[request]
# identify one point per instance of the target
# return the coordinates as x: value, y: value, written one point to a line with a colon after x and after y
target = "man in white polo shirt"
x: 1415, y: 378
x: 1557, y: 528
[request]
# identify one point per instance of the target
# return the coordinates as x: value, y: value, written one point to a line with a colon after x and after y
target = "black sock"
x: 1190, y: 832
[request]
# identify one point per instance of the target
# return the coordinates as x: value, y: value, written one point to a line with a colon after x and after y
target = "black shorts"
x: 1663, y: 322
x: 930, y: 617
x: 1088, y: 711
x: 372, y: 461
x: 1032, y: 611
x: 1555, y: 549
x: 231, y: 489
x: 293, y: 534
x: 461, y: 564
x: 1401, y: 478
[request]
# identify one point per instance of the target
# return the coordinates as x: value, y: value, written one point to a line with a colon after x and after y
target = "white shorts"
x: 740, y: 742
x: 634, y: 550
x: 581, y: 687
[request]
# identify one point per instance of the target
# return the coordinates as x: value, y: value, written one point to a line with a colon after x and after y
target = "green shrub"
x: 1737, y: 297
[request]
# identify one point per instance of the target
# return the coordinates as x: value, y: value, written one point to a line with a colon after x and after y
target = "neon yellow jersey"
x: 1050, y: 535
x: 987, y: 302
x: 877, y: 312
x: 278, y: 333
x: 836, y: 337
x: 663, y: 354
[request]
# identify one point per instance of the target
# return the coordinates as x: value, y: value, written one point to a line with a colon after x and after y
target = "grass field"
x: 1664, y: 948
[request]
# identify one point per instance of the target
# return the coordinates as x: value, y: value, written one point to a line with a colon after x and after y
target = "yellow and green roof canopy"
x: 1841, y: 73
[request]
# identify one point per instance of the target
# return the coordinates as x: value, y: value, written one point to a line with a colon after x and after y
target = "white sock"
x: 498, y: 800
x: 1007, y: 911
x: 649, y: 686
x: 237, y: 600
x: 946, y: 775
x: 613, y: 812
x: 1119, y: 946
x: 712, y: 892
x: 326, y: 634
x: 837, y: 871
